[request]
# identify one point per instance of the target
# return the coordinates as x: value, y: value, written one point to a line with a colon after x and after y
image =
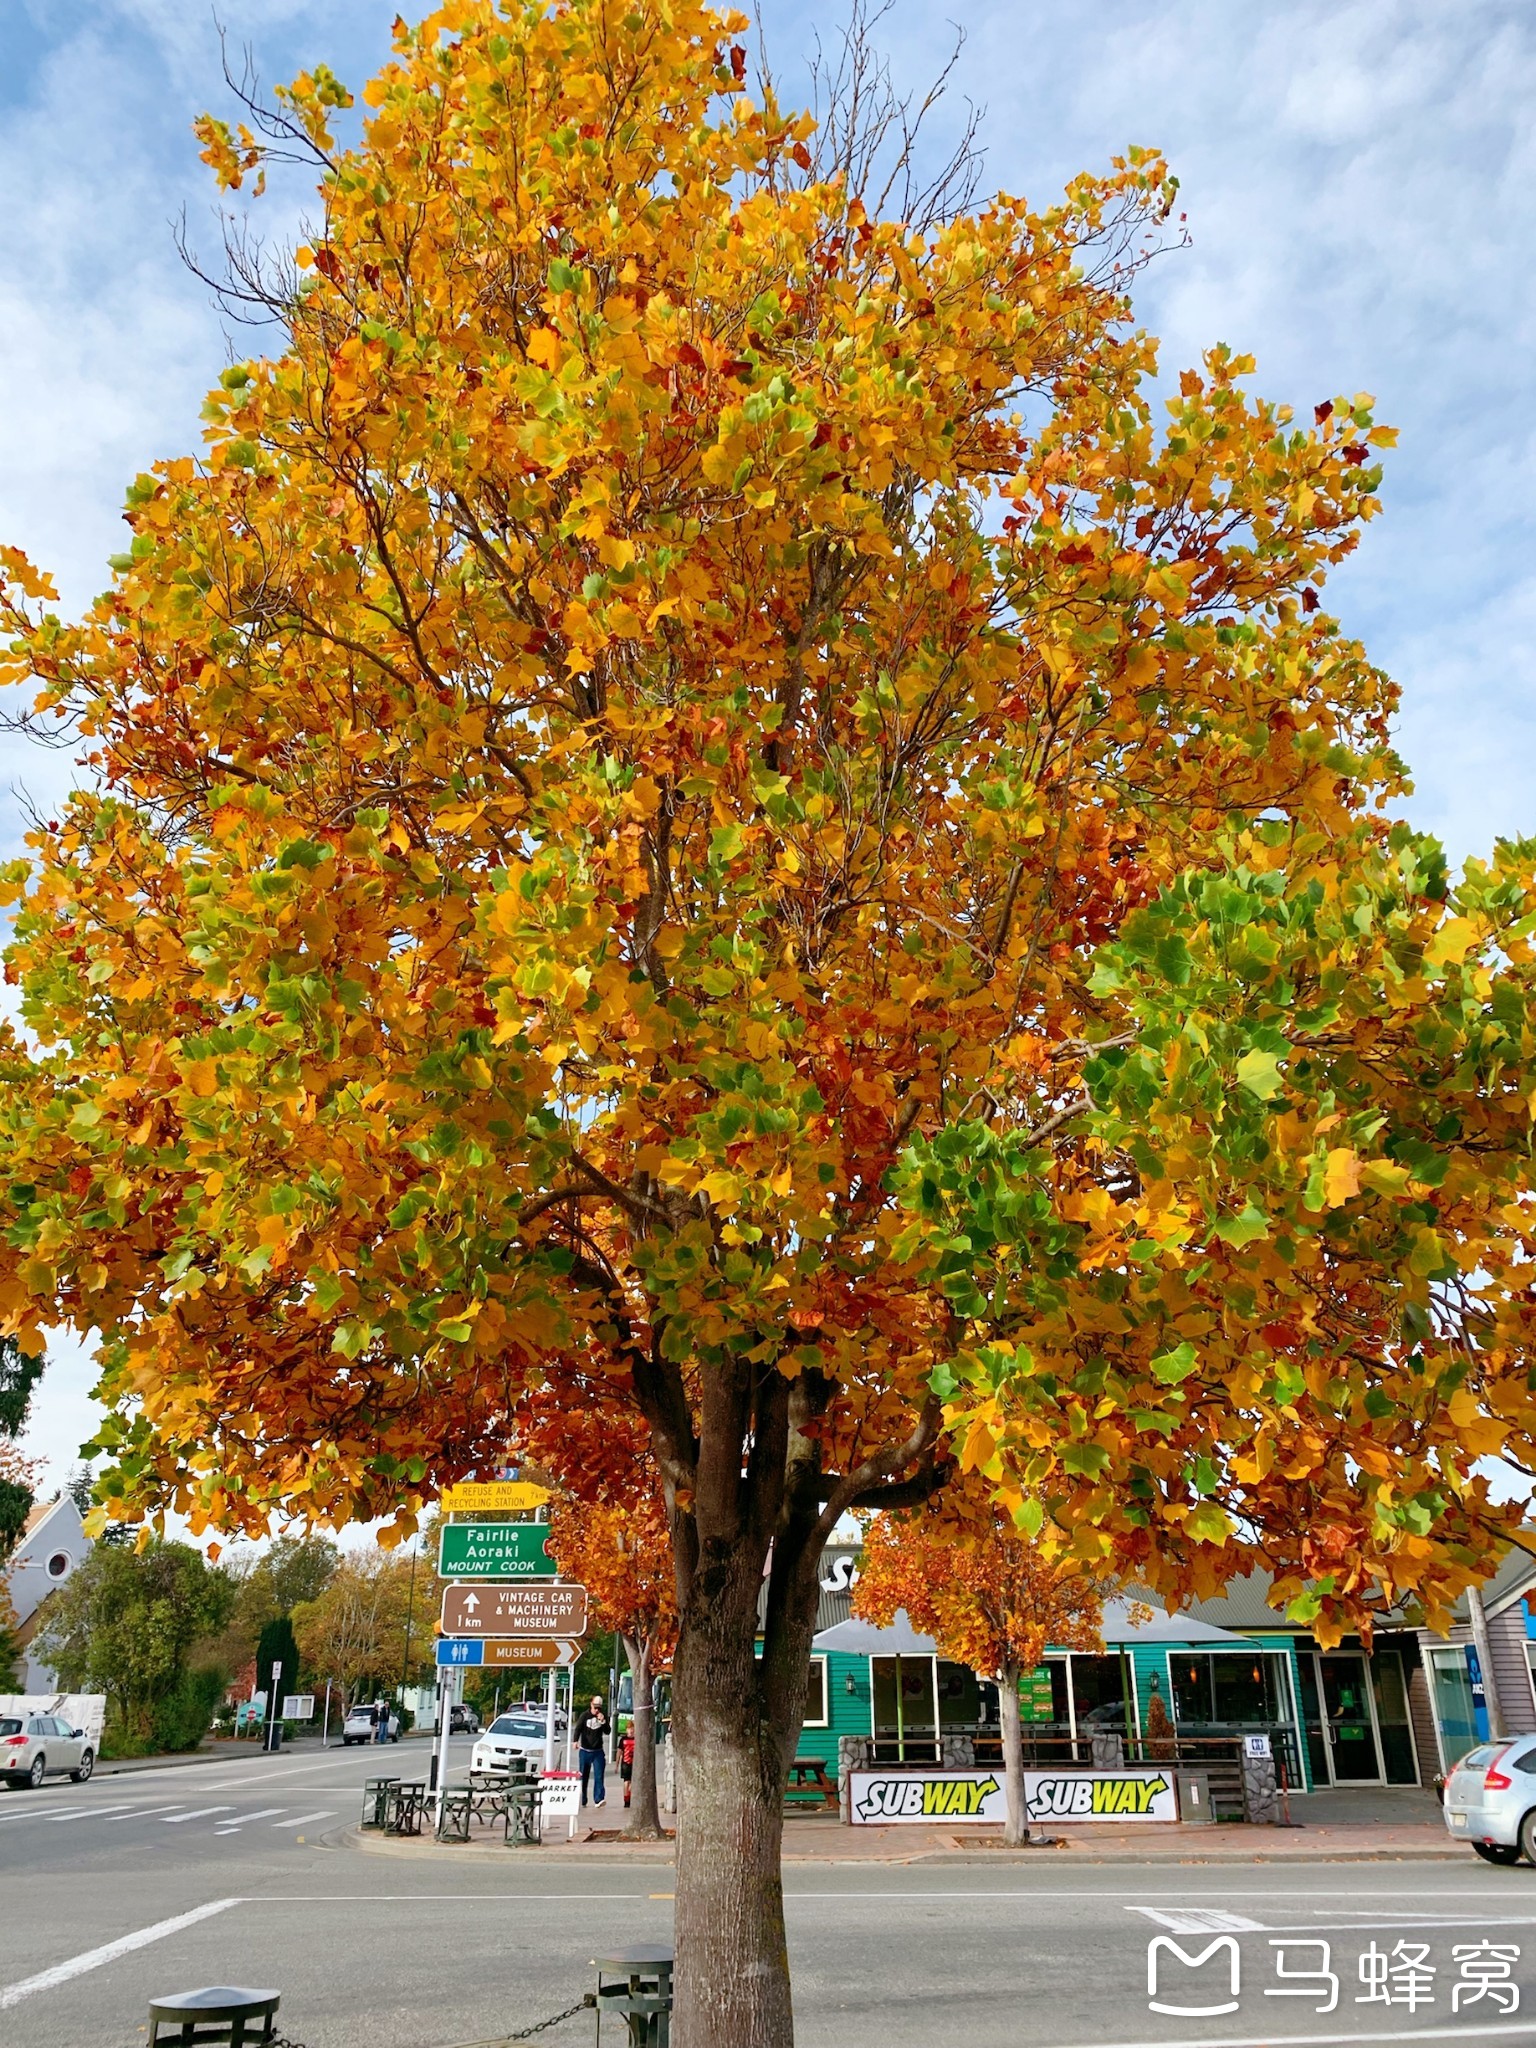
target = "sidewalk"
x: 1382, y: 1826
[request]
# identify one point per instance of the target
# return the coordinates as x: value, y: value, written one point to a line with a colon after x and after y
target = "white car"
x: 359, y: 1726
x: 510, y: 1739
x: 39, y: 1744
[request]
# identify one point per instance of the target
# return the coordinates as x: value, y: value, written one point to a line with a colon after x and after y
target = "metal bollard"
x: 218, y: 2016
x: 638, y: 1984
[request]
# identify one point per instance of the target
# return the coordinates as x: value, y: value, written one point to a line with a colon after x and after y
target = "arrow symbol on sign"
x: 471, y: 1603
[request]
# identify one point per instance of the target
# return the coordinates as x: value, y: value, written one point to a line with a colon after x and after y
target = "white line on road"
x: 327, y: 1813
x: 1199, y: 1919
x: 143, y: 1812
x: 173, y: 1820
x: 93, y: 1958
x: 90, y: 1812
x: 34, y: 1813
x: 233, y: 1827
x: 1520, y: 2030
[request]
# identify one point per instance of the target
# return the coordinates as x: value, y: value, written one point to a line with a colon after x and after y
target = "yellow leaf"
x: 1453, y: 942
x: 1341, y: 1176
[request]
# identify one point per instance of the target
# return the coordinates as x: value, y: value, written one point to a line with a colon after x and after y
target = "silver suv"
x: 1490, y: 1800
x: 41, y: 1743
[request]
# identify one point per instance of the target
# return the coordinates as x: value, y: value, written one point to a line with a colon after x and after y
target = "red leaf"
x: 1324, y: 411
x: 1356, y: 452
x: 1309, y: 600
x: 738, y: 62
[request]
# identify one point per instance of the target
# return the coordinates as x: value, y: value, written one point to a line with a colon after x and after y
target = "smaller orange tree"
x: 988, y: 1597
x: 622, y: 1554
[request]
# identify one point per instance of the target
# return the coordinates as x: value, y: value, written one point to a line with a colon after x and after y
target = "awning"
x: 1161, y: 1628
x: 862, y: 1639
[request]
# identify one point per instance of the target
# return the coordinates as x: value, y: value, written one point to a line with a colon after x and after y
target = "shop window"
x: 1099, y: 1694
x: 1229, y: 1689
x: 816, y: 1695
x: 959, y: 1697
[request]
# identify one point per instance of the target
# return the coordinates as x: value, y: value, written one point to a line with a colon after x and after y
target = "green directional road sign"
x: 494, y: 1550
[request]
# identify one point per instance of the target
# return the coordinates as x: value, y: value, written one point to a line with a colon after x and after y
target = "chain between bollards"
x: 583, y: 2004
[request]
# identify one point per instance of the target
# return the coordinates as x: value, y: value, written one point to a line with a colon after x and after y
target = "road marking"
x: 198, y: 1813
x: 34, y: 1813
x: 143, y: 1812
x: 324, y: 1814
x: 1199, y: 1919
x: 90, y: 1812
x: 1520, y: 2030
x: 93, y: 1958
x: 233, y: 1827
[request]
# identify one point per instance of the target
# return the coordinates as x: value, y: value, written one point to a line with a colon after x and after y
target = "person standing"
x: 381, y: 1719
x: 591, y: 1738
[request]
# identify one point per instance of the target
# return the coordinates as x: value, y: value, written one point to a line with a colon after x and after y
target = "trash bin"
x: 636, y: 1983
x: 219, y: 2013
x: 1194, y: 1790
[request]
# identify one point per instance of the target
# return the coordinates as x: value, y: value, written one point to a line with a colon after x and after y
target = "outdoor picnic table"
x: 524, y: 1816
x: 407, y: 1804
x: 376, y: 1797
x: 813, y: 1768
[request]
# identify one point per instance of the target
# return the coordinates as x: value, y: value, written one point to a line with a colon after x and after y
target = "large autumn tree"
x: 989, y: 1597
x: 701, y: 803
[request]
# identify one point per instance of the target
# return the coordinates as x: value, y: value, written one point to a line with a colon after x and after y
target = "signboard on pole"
x: 536, y: 1610
x: 539, y: 1653
x: 298, y: 1706
x: 492, y: 1497
x: 494, y: 1550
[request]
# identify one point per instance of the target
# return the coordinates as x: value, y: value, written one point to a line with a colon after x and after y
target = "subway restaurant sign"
x: 494, y: 1550
x: 878, y: 1798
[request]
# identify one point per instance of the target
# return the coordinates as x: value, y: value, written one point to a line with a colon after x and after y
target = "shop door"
x: 1349, y: 1722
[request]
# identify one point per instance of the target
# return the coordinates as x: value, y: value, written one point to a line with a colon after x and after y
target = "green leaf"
x: 1176, y: 1365
x: 1241, y: 1230
x: 1259, y: 1073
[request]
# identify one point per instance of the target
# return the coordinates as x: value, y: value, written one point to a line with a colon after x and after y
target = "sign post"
x: 494, y: 1550
x: 274, y: 1726
x: 493, y: 1497
x: 535, y: 1653
x: 519, y: 1610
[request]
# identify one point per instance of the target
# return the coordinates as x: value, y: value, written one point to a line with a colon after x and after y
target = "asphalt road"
x: 240, y: 1871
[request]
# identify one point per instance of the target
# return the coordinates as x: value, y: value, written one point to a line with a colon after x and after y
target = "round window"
x: 58, y: 1565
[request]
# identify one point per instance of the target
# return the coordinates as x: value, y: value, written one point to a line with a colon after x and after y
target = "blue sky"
x: 1360, y: 181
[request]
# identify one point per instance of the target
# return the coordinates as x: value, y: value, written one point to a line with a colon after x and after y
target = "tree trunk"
x: 644, y: 1813
x: 1016, y: 1826
x: 732, y: 1981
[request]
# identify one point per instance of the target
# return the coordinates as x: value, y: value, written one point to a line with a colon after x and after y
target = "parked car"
x: 1490, y: 1800
x: 463, y: 1720
x: 40, y: 1744
x: 359, y: 1725
x: 509, y: 1738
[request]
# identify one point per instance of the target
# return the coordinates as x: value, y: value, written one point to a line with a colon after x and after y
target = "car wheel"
x: 1495, y: 1852
x: 87, y: 1765
x: 1528, y: 1837
x: 36, y: 1774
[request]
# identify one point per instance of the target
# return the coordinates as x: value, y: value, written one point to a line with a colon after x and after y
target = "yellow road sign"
x: 493, y: 1497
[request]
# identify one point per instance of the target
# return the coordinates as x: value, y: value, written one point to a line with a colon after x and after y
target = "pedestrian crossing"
x: 217, y: 1820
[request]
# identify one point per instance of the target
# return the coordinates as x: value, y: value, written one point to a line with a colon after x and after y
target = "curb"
x: 370, y: 1842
